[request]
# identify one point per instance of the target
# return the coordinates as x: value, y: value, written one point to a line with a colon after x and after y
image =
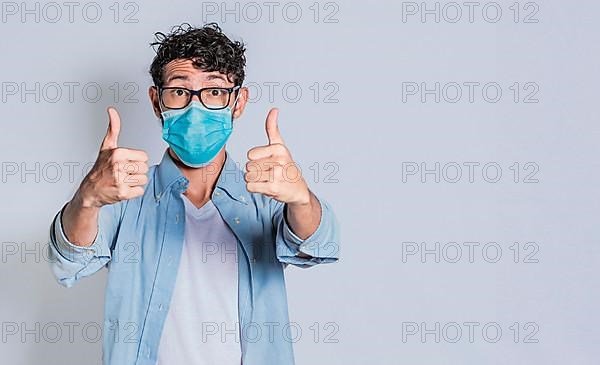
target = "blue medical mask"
x: 197, y: 134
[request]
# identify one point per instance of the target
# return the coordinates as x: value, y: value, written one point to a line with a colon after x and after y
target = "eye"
x: 216, y: 92
x: 179, y: 92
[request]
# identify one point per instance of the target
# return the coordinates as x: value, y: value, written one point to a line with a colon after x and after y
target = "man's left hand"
x: 272, y: 171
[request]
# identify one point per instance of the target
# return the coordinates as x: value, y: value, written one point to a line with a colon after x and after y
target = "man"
x: 195, y: 248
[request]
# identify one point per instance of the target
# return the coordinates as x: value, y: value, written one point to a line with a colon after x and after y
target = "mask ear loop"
x: 235, y: 102
x: 160, y: 105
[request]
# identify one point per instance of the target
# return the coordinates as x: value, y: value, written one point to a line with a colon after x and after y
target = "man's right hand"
x: 118, y: 174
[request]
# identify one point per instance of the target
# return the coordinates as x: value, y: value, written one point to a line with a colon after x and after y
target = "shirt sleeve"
x: 322, y: 246
x: 70, y: 262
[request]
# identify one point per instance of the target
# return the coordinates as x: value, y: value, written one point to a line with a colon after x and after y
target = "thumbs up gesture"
x: 118, y: 173
x: 272, y: 171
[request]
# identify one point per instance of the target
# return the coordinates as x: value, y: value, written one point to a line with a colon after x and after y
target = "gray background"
x: 363, y: 139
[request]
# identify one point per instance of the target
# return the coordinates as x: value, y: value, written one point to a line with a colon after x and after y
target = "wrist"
x: 303, y: 201
x: 85, y: 200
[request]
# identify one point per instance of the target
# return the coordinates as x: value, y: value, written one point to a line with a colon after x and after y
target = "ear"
x: 241, y: 103
x: 153, y: 93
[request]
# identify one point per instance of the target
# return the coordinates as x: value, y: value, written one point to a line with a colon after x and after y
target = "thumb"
x: 114, y: 127
x: 272, y: 127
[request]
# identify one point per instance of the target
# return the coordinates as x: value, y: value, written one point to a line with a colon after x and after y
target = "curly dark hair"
x: 207, y: 47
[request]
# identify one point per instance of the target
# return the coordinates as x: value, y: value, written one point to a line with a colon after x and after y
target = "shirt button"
x: 242, y: 198
x: 176, y: 218
x: 160, y: 307
x: 217, y: 193
x: 236, y: 220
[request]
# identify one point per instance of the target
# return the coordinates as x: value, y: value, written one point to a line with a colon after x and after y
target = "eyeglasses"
x: 213, y: 98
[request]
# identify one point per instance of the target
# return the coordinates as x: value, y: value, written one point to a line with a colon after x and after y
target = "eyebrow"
x: 216, y: 76
x: 177, y: 77
x: 186, y: 78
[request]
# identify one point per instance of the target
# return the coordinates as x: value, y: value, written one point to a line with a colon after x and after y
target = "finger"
x: 263, y: 164
x: 265, y: 188
x: 126, y: 192
x: 134, y: 167
x: 272, y: 127
x: 260, y: 152
x: 134, y: 192
x: 110, y: 141
x: 258, y: 176
x: 136, y: 180
x: 130, y: 154
x: 267, y: 163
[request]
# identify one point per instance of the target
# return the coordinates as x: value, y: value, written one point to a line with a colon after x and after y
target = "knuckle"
x: 251, y: 165
x: 279, y: 148
x: 114, y: 161
x: 115, y: 176
x: 118, y: 154
x: 118, y: 167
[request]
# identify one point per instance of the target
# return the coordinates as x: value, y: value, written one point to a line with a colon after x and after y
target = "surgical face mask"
x: 197, y: 134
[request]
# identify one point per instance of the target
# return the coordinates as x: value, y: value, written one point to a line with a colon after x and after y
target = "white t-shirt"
x: 202, y: 325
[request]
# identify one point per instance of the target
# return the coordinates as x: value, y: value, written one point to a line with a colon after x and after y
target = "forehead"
x: 185, y: 70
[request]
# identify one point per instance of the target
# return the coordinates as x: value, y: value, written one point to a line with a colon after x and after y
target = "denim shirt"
x: 140, y: 242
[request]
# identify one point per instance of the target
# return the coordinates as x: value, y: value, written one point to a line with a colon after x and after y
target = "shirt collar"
x: 231, y: 178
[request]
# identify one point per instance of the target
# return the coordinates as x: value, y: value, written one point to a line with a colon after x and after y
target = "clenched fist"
x: 272, y: 171
x: 118, y: 173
